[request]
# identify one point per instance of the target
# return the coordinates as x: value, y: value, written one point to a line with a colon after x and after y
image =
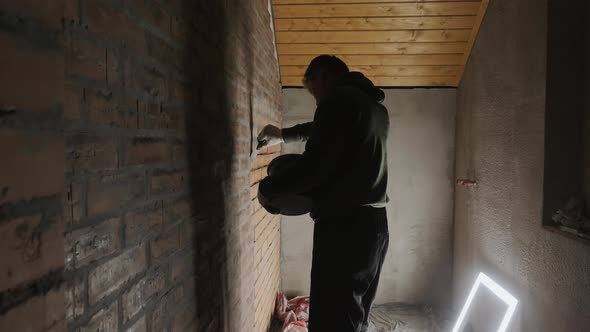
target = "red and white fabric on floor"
x: 293, y: 313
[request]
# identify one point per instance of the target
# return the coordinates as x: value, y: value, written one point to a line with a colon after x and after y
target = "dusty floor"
x: 399, y: 317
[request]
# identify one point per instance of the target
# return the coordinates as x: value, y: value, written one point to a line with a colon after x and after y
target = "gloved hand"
x: 269, y: 136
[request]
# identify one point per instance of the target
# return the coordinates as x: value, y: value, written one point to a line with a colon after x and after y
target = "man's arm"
x: 297, y: 133
x: 271, y: 135
x: 324, y: 156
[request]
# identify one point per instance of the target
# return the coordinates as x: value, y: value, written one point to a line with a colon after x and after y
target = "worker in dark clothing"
x: 344, y: 170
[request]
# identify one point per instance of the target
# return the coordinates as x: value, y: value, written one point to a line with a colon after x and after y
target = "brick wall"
x: 267, y: 248
x: 127, y: 188
x: 32, y: 177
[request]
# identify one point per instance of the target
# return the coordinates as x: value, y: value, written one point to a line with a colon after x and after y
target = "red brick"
x: 88, y: 153
x: 73, y: 96
x: 111, y: 24
x: 178, y: 30
x: 139, y: 326
x: 179, y: 150
x: 22, y: 178
x: 183, y: 317
x: 242, y: 147
x: 243, y: 200
x: 143, y: 150
x: 162, y: 51
x: 27, y: 72
x: 152, y: 116
x: 182, y: 267
x: 263, y: 160
x: 105, y: 320
x: 48, y: 13
x: 166, y: 243
x: 168, y: 182
x: 138, y: 296
x: 108, y: 109
x: 112, y: 192
x: 74, y: 297
x: 139, y: 224
x: 179, y: 210
x: 254, y: 208
x: 237, y: 183
x: 86, y: 59
x: 71, y: 11
x: 151, y: 13
x: 181, y: 91
x: 73, y: 204
x: 167, y: 305
x: 114, y: 71
x: 175, y: 117
x: 257, y: 175
x: 146, y: 79
x: 108, y: 277
x: 254, y: 191
x: 28, y: 250
x: 186, y: 234
x: 43, y: 313
x: 88, y: 244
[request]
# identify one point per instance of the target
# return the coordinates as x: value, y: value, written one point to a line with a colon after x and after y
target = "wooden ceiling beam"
x: 377, y: 10
x: 374, y: 49
x: 375, y: 23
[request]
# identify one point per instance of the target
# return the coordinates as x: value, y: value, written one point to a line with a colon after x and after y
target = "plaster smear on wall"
x: 421, y: 170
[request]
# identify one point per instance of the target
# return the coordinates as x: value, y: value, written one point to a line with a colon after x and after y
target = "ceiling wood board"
x: 374, y: 23
x: 377, y: 10
x: 373, y: 49
x: 303, y: 2
x: 323, y: 37
x: 382, y: 60
x: 400, y: 81
x: 385, y: 70
x: 394, y: 42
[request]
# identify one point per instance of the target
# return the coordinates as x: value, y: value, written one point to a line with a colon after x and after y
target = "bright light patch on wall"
x: 500, y: 292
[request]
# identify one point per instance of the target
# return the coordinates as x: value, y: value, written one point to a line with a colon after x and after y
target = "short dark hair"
x: 327, y: 63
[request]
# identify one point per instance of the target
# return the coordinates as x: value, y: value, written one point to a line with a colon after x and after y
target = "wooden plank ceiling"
x: 393, y: 42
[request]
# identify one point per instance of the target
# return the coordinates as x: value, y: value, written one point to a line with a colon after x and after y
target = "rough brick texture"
x: 127, y: 189
x: 32, y: 179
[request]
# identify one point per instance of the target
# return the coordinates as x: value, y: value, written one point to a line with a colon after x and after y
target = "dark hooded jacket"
x: 344, y: 165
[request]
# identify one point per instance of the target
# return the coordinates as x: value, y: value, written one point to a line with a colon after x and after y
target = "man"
x: 344, y: 170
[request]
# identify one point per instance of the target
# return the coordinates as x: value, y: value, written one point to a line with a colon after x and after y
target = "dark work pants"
x: 348, y: 252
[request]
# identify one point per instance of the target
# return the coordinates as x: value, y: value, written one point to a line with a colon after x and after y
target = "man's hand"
x: 269, y: 136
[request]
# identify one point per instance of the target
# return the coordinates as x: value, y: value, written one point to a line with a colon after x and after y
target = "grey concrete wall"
x: 298, y: 106
x: 500, y: 142
x: 421, y: 166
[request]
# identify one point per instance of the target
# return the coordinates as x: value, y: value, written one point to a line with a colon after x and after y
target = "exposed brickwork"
x: 32, y: 179
x: 127, y: 193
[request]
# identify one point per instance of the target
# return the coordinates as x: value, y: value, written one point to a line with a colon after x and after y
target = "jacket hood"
x: 360, y: 81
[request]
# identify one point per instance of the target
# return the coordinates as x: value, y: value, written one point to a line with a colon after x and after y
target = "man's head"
x: 321, y: 74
